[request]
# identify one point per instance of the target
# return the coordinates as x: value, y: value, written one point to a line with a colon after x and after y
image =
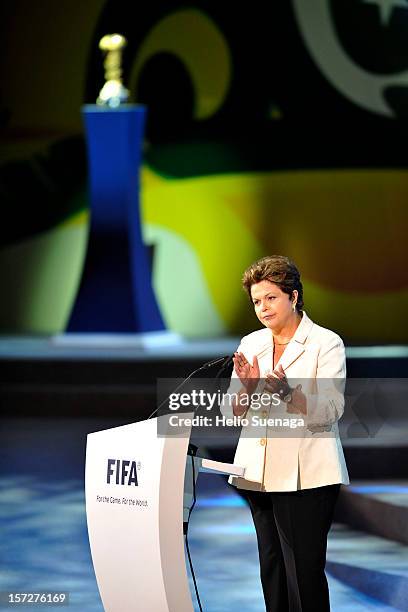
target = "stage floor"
x: 44, y: 539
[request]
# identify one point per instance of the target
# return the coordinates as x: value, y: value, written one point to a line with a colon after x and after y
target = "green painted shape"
x: 39, y: 279
x: 181, y: 289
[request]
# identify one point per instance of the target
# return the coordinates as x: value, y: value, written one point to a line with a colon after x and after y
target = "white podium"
x: 135, y: 495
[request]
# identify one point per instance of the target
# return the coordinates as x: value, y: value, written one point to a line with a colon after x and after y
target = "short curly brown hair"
x: 279, y: 270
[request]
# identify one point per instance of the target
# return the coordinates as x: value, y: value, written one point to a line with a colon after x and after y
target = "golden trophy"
x: 113, y: 93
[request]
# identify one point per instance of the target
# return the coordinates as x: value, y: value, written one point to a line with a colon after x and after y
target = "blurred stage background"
x: 271, y: 128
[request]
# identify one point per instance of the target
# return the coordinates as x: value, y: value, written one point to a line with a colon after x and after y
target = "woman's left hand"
x: 277, y: 382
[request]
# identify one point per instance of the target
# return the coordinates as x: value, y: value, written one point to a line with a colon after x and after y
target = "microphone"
x: 214, y: 362
x: 209, y: 364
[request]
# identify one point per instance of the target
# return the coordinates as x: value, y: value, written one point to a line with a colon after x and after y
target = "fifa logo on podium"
x: 121, y: 471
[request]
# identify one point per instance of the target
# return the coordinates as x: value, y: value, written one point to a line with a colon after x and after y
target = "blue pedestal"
x: 115, y: 293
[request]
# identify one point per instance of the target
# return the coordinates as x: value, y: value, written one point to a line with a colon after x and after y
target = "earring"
x: 294, y: 307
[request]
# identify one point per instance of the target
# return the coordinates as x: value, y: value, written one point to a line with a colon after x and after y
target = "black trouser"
x: 292, y: 529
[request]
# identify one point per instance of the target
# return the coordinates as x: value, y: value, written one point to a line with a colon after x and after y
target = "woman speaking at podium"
x: 292, y: 476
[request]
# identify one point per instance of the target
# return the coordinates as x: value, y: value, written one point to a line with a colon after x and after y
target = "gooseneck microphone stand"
x: 226, y: 360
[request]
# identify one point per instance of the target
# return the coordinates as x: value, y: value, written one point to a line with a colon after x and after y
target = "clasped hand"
x: 275, y: 382
x: 278, y: 383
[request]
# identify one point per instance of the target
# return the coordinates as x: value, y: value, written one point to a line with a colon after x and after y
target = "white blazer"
x: 289, y: 458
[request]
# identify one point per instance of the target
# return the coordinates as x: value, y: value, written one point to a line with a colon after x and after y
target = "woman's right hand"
x: 247, y: 373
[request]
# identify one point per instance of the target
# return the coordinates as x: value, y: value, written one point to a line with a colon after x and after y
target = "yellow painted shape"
x: 196, y: 40
x: 378, y: 317
x: 232, y: 220
x: 346, y: 228
x: 195, y: 209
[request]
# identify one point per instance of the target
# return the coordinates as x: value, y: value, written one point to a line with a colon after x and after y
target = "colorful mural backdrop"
x: 273, y: 128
